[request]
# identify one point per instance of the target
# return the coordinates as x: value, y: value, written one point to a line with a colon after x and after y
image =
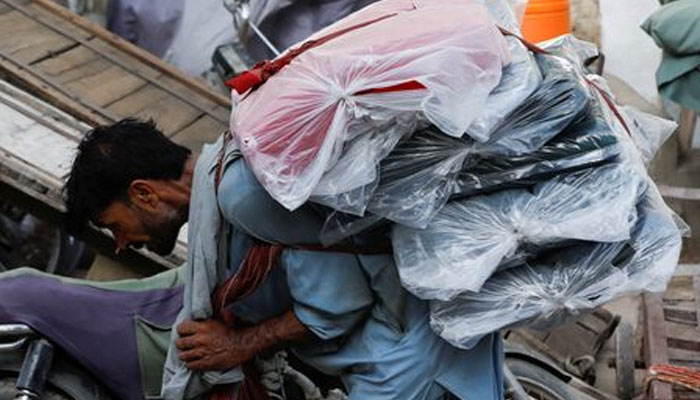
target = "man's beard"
x: 163, y: 234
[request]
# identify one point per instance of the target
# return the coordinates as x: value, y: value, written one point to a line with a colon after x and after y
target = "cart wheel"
x: 624, y: 361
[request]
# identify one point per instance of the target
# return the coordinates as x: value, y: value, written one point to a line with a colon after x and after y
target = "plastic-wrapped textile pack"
x: 415, y: 178
x: 560, y: 99
x: 342, y: 193
x: 560, y: 283
x: 557, y: 286
x: 468, y: 239
x: 435, y: 59
x: 586, y: 143
x: 418, y: 176
x: 569, y: 47
x: 520, y: 78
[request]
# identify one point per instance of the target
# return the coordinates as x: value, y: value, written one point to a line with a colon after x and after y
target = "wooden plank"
x: 223, y: 114
x: 655, y: 346
x: 66, y: 67
x: 168, y: 112
x: 187, y: 90
x: 686, y: 128
x: 696, y: 287
x: 48, y: 19
x: 680, y: 315
x: 139, y: 54
x: 28, y: 40
x: 28, y: 106
x: 684, y: 357
x: 4, y: 8
x: 203, y: 130
x: 680, y: 193
x: 148, y: 72
x: 52, y: 92
x: 680, y: 288
x: 104, y: 83
x: 165, y: 82
x: 33, y: 153
x: 126, y: 63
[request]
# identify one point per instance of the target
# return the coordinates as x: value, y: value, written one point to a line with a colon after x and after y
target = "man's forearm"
x: 211, y: 345
x: 275, y: 332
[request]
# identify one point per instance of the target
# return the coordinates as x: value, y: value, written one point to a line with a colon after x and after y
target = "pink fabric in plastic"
x: 292, y: 128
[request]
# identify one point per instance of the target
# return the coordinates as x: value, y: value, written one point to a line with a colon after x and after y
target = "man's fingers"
x: 186, y: 342
x: 187, y: 328
x: 196, y: 365
x: 190, y: 355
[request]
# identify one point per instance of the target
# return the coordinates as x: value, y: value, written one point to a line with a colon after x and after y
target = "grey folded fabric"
x: 467, y: 240
x: 566, y: 282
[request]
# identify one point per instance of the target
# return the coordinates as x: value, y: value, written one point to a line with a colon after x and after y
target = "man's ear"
x: 143, y: 194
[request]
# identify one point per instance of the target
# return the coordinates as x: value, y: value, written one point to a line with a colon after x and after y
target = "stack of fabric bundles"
x: 515, y: 189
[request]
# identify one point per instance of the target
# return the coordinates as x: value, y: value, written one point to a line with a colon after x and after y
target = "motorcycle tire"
x: 540, y: 384
x: 8, y: 391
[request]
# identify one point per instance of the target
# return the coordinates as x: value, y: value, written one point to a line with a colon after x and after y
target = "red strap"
x: 530, y: 46
x: 610, y: 104
x: 258, y: 263
x: 536, y: 49
x: 410, y: 85
x: 263, y: 70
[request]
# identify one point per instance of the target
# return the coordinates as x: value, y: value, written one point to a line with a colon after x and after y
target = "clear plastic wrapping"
x: 520, y: 78
x: 292, y: 129
x: 556, y: 103
x: 587, y: 143
x: 568, y: 46
x: 417, y: 178
x: 648, y: 132
x: 553, y: 215
x: 350, y: 183
x: 507, y: 13
x: 468, y: 240
x: 565, y: 282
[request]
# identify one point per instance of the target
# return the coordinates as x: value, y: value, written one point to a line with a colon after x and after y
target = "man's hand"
x: 211, y: 345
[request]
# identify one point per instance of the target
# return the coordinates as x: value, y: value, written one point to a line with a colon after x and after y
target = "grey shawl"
x: 206, y: 267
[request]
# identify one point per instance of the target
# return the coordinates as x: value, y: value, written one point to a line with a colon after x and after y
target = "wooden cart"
x: 67, y: 74
x: 672, y: 333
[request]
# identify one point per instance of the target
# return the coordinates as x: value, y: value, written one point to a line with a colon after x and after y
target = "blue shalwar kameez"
x: 368, y: 329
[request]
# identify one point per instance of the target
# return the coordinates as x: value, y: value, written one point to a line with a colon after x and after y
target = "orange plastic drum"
x: 545, y: 19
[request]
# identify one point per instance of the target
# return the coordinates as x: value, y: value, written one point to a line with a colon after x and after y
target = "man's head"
x: 131, y: 179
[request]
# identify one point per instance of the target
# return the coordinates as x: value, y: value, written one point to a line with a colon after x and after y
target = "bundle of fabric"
x: 419, y: 176
x: 512, y: 168
x: 469, y: 239
x: 562, y: 283
x: 435, y: 60
x: 587, y: 143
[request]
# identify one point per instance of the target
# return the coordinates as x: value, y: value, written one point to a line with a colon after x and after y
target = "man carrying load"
x: 341, y: 310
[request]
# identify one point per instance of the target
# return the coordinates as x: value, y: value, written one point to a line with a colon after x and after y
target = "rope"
x: 680, y: 376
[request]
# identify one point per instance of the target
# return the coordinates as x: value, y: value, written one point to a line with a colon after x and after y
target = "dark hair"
x: 109, y: 158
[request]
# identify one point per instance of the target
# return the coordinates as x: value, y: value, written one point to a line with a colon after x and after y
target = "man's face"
x: 134, y: 226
